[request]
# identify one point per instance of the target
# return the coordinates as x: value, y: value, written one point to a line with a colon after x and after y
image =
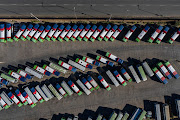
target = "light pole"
x: 32, y: 15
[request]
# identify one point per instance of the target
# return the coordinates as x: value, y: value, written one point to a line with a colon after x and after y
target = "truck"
x: 77, y: 32
x: 155, y: 34
x: 26, y: 32
x: 24, y: 74
x: 9, y: 78
x: 142, y: 34
x: 87, y: 91
x: 37, y: 34
x: 129, y: 33
x: 30, y: 94
x: 160, y: 76
x: 174, y: 37
x: 126, y: 75
x: 80, y: 67
x: 113, y: 57
x: 147, y: 69
x: 157, y: 111
x: 119, y: 116
x: 20, y: 96
x: 109, y: 34
x: 119, y: 77
x: 177, y: 102
x: 104, y: 83
x: 8, y: 32
x: 44, y: 33
x: 105, y: 61
x: 28, y: 99
x: 96, y: 33
x: 39, y: 69
x: 93, y: 82
x: 74, y: 87
x: 90, y: 32
x: 116, y: 33
x: 113, y: 116
x: 83, y: 32
x: 141, y: 72
x: 32, y: 32
x: 104, y: 32
x: 113, y: 79
x: 136, y: 77
x: 67, y: 66
x: 63, y: 33
x: 66, y: 88
x: 57, y: 33
x: 51, y: 70
x: 2, y: 33
x: 125, y: 117
x: 47, y: 92
x: 162, y: 35
x: 57, y: 67
x: 171, y: 69
x: 37, y: 95
x: 99, y: 117
x: 4, y: 104
x: 164, y: 70
x: 5, y: 97
x: 142, y: 115
x: 91, y: 61
x: 19, y: 33
x: 61, y: 90
x: 55, y: 92
x: 83, y: 63
x: 51, y: 32
x: 33, y: 72
x: 136, y: 113
x: 16, y: 75
x: 4, y: 81
x: 166, y: 112
x: 70, y: 33
x: 14, y: 99
x: 87, y: 84
x: 39, y: 90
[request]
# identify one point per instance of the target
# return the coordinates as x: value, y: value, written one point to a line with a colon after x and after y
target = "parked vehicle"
x: 4, y: 105
x: 40, y: 69
x: 99, y: 117
x: 16, y: 75
x: 126, y: 75
x: 67, y: 66
x: 61, y: 90
x: 4, y: 81
x: 142, y: 115
x: 2, y: 33
x: 105, y: 61
x: 129, y: 33
x: 5, y: 97
x: 9, y: 78
x: 44, y: 33
x: 90, y: 32
x: 96, y: 33
x: 142, y: 34
x: 19, y: 33
x: 37, y: 95
x: 30, y: 95
x: 78, y: 66
x: 104, y: 32
x: 177, y: 101
x: 87, y: 91
x: 141, y: 72
x: 51, y: 32
x: 26, y: 32
x: 93, y: 82
x: 113, y: 116
x: 104, y: 83
x: 40, y: 91
x: 51, y: 70
x: 113, y: 57
x: 14, y: 99
x: 83, y: 63
x: 33, y: 72
x: 24, y: 74
x: 116, y: 33
x: 74, y: 87
x: 136, y: 77
x: 136, y: 114
x: 171, y: 69
x: 118, y: 76
x: 47, y: 92
x: 164, y: 70
x: 28, y: 99
x: 174, y: 37
x: 77, y: 32
x: 70, y: 33
x: 84, y: 31
x: 37, y: 34
x: 20, y: 96
x: 109, y: 34
x: 63, y: 33
x: 125, y: 117
x: 162, y: 35
x: 113, y: 79
x: 87, y: 84
x: 155, y: 34
x: 9, y: 32
x: 32, y: 32
x: 66, y: 88
x: 159, y: 75
x: 166, y: 112
x: 91, y: 61
x: 57, y: 67
x: 157, y: 111
x: 147, y: 69
x: 55, y: 92
x: 58, y: 32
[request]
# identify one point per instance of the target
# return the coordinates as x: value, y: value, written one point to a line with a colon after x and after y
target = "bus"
x: 166, y: 112
x: 113, y: 57
x: 118, y: 76
x: 104, y: 83
x: 136, y: 114
x: 51, y: 32
x: 116, y: 33
x: 157, y: 111
x: 77, y: 32
x: 177, y: 101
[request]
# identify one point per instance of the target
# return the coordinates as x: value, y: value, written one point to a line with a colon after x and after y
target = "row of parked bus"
x: 159, y: 112
x: 91, y: 32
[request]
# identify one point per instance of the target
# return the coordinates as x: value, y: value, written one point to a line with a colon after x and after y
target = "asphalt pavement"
x: 133, y: 94
x: 91, y: 8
